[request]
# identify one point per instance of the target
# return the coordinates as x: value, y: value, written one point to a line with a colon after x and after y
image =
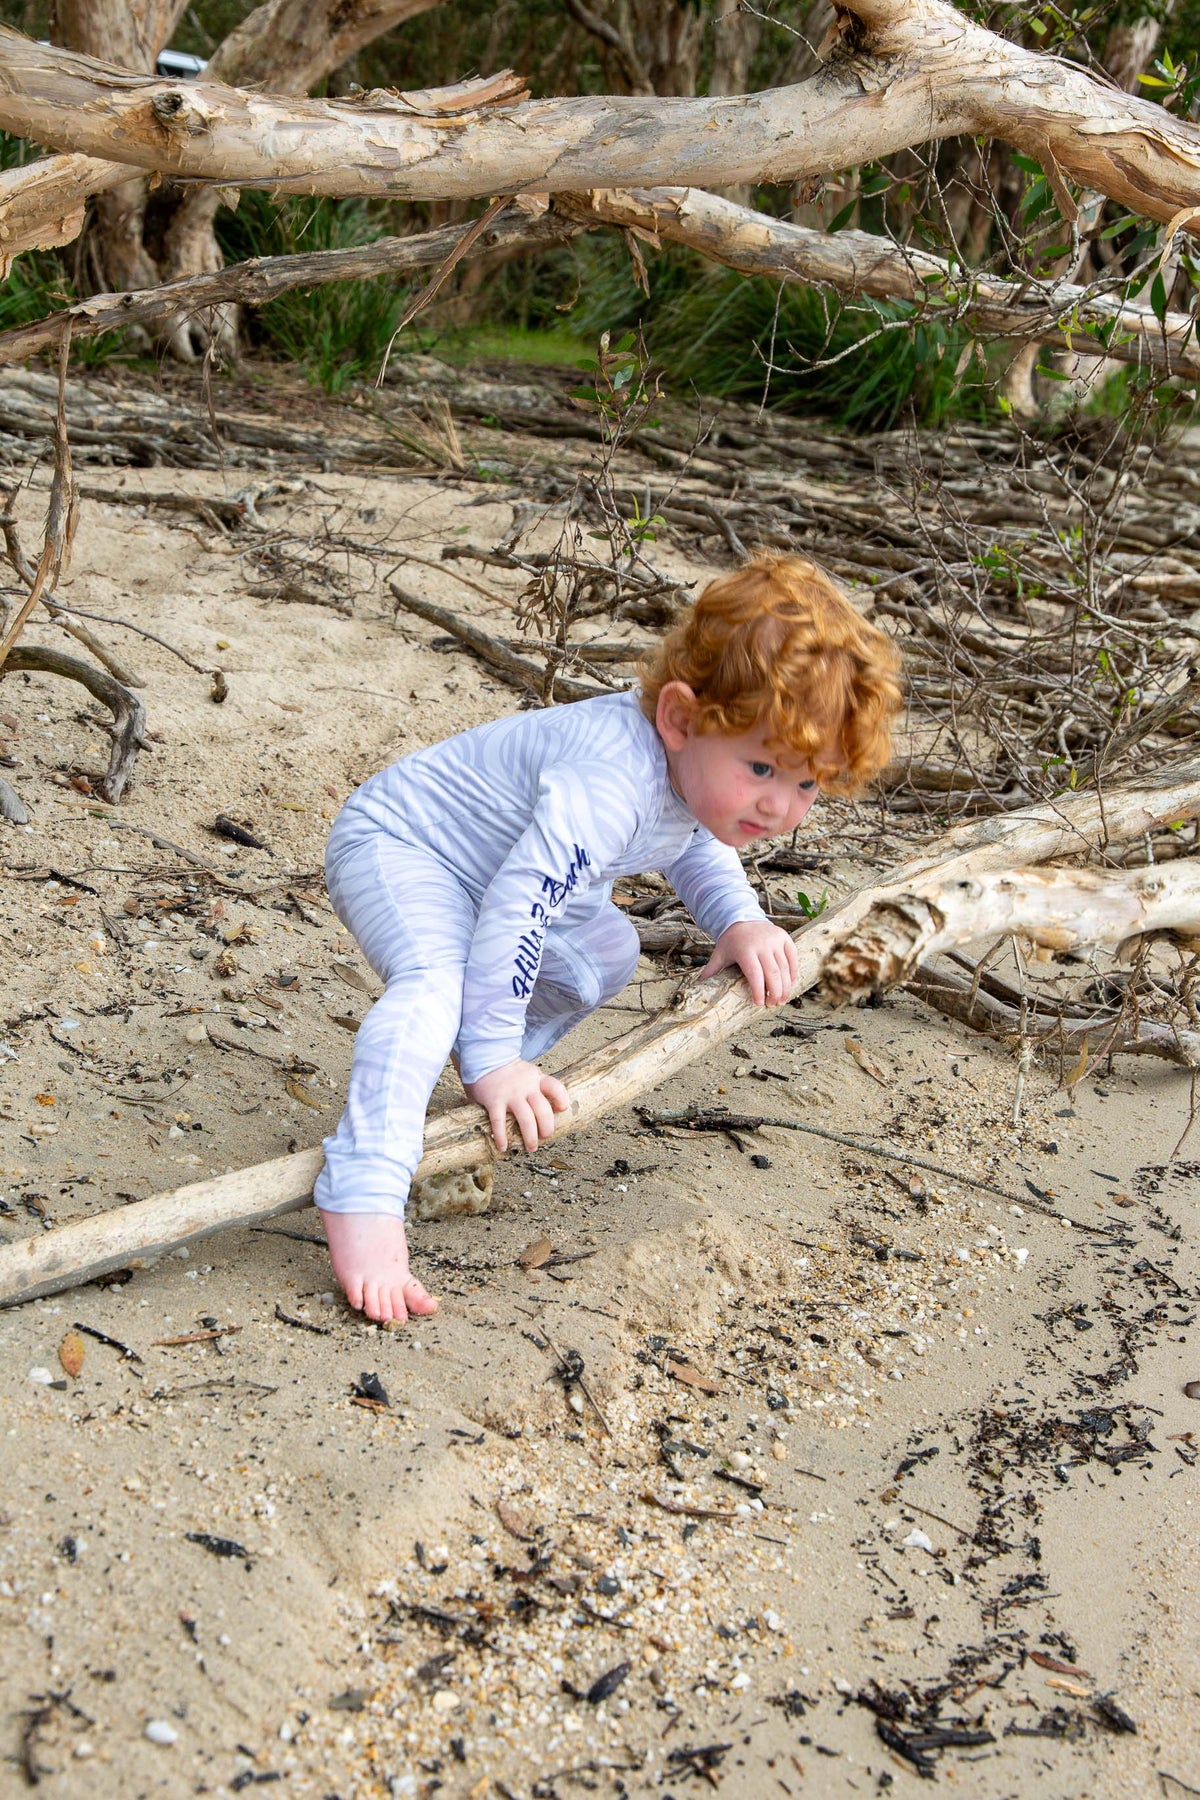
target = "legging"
x: 415, y: 921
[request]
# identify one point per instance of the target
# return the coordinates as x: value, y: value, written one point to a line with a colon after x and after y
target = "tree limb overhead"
x: 919, y: 71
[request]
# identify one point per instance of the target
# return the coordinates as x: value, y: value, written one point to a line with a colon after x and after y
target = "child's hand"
x: 764, y: 953
x: 519, y: 1088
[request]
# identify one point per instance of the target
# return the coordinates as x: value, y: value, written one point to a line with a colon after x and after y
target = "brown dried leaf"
x: 351, y: 976
x: 864, y: 1061
x: 514, y: 1522
x: 535, y: 1254
x: 71, y: 1353
x: 682, y: 1371
x: 298, y: 1091
x: 1057, y: 1666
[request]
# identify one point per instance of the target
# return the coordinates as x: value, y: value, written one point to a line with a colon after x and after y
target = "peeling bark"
x: 1061, y: 908
x: 286, y: 46
x: 851, y: 262
x: 919, y: 71
x: 858, y: 263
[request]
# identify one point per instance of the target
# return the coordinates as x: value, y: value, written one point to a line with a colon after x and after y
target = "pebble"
x: 42, y: 1376
x: 161, y: 1731
x: 444, y: 1701
x: 917, y: 1540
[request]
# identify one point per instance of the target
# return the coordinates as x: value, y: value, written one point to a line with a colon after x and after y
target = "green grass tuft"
x: 337, y: 334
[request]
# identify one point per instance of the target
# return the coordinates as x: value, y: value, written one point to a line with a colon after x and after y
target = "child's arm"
x: 766, y: 956
x: 585, y: 815
x: 712, y: 884
x: 519, y: 1088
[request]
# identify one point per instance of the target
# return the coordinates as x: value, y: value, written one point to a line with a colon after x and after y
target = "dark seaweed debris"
x: 912, y: 1728
x: 219, y: 1546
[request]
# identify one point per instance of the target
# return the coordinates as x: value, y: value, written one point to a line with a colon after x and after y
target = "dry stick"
x: 128, y: 728
x: 61, y: 513
x: 506, y: 662
x: 693, y: 1119
x: 57, y: 609
x: 420, y: 301
x: 703, y: 1015
x: 958, y: 998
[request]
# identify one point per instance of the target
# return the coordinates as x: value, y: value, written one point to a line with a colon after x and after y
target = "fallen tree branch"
x: 521, y: 670
x: 860, y: 263
x: 703, y: 1015
x: 264, y: 278
x: 1062, y: 908
x: 1103, y: 1034
x: 128, y: 729
x: 850, y: 262
x: 908, y: 72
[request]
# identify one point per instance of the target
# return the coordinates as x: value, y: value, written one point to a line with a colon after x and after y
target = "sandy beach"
x: 748, y: 1461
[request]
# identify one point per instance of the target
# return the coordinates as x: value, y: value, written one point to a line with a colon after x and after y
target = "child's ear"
x: 675, y: 714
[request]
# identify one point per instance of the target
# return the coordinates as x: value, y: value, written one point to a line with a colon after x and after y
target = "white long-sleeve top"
x: 533, y: 813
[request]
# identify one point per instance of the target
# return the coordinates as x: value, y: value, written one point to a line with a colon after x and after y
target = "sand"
x: 841, y: 1431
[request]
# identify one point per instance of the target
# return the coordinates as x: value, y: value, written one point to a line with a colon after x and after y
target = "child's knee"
x: 624, y: 960
x: 613, y: 954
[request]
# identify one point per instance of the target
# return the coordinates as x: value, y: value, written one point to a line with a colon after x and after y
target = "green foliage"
x: 337, y: 333
x: 805, y: 351
x: 39, y: 282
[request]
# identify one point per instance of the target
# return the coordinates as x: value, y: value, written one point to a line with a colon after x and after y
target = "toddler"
x: 477, y: 874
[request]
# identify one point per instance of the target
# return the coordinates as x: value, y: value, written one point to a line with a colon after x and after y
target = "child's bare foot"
x: 369, y: 1252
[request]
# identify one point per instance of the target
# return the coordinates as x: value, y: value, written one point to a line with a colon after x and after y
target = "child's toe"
x: 417, y: 1298
x: 376, y: 1302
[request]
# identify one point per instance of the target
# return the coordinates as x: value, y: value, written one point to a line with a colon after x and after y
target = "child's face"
x: 740, y: 788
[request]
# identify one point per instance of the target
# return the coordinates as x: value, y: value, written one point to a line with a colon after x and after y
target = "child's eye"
x: 760, y: 768
x: 806, y: 787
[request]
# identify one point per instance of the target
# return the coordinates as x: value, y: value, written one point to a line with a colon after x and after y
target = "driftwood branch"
x: 128, y: 729
x: 1100, y: 1034
x: 1062, y: 908
x: 919, y: 71
x: 703, y: 1016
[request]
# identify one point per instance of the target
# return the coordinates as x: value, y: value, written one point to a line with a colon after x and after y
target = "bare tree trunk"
x: 129, y: 33
x: 284, y: 46
x: 703, y: 1016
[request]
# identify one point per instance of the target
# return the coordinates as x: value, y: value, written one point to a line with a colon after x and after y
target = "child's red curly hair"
x: 776, y: 646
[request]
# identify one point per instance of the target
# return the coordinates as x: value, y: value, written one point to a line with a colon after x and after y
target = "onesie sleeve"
x: 712, y: 884
x: 585, y: 816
